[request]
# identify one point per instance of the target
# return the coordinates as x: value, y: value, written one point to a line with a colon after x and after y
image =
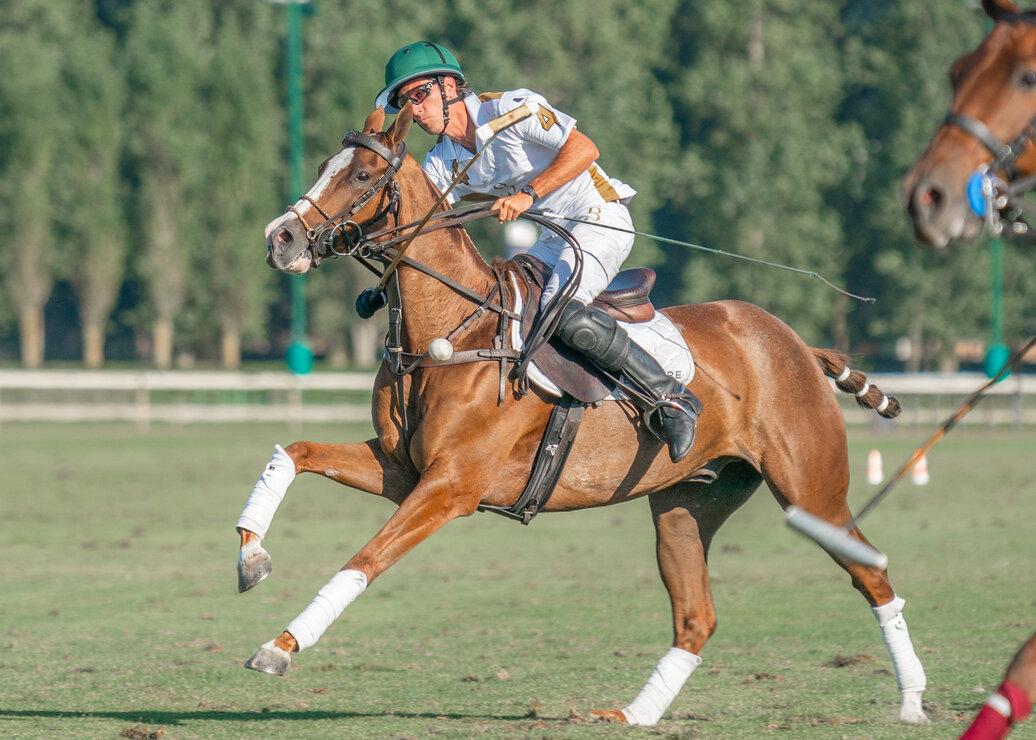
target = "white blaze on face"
x: 335, y: 165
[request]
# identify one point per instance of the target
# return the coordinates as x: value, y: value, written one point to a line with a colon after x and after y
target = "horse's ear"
x: 399, y: 128
x: 374, y: 121
x: 996, y: 9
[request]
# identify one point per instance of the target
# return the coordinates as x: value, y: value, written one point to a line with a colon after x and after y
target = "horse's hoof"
x: 253, y: 565
x: 613, y: 716
x: 914, y: 718
x: 911, y: 710
x: 270, y: 659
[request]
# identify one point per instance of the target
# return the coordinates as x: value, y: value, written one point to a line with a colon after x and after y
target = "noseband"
x: 1005, y: 156
x: 989, y: 196
x: 341, y: 227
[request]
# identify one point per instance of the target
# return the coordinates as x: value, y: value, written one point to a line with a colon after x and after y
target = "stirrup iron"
x: 652, y: 415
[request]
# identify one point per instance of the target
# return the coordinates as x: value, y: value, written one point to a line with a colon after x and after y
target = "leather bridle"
x: 989, y: 196
x: 341, y: 227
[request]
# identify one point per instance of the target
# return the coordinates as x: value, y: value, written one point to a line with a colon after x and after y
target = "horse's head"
x: 989, y: 128
x: 355, y: 189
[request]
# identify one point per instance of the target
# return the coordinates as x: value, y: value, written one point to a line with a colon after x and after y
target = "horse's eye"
x: 363, y: 176
x: 1028, y: 79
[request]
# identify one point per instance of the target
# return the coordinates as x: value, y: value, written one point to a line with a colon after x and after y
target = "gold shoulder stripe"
x: 483, y: 97
x: 603, y: 186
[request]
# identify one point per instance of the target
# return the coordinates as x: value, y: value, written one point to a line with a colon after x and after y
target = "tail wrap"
x: 835, y: 366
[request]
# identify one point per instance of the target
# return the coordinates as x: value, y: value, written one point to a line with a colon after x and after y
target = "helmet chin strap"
x: 445, y: 105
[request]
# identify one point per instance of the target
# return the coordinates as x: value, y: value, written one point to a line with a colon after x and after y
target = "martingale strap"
x: 550, y: 461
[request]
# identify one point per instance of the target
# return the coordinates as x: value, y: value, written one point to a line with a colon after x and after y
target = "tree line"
x: 143, y: 147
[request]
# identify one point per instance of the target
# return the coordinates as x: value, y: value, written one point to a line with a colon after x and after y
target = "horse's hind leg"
x: 359, y: 465
x: 820, y: 489
x: 686, y: 517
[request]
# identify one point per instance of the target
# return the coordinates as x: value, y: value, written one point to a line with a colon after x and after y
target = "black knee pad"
x: 595, y: 333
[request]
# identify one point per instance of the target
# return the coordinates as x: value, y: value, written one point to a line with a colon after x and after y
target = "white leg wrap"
x: 268, y: 493
x: 669, y: 676
x: 909, y: 671
x: 328, y: 605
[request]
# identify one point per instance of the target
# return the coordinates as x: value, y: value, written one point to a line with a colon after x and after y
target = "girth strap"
x: 550, y: 461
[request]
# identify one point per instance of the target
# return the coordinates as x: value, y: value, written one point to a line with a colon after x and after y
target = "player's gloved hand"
x: 369, y: 301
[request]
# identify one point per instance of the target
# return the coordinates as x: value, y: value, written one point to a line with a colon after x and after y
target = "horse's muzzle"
x: 287, y: 246
x: 936, y: 201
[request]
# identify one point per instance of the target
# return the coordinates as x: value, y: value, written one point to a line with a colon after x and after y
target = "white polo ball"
x: 440, y: 350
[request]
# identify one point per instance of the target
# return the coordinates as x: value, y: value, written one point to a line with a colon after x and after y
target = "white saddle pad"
x: 659, y: 338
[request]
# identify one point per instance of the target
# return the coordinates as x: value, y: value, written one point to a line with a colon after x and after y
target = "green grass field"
x: 119, y: 614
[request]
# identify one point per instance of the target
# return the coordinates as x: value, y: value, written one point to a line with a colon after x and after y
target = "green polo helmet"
x: 420, y: 59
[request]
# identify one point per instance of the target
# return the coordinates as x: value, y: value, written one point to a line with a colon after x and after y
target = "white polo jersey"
x: 518, y: 155
x: 514, y: 159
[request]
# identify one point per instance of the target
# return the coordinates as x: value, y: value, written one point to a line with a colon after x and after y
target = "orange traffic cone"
x: 875, y: 474
x: 919, y: 475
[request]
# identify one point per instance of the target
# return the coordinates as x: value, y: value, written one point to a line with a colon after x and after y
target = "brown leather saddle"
x: 626, y: 299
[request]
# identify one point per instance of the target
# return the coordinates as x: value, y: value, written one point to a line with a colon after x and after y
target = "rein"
x: 384, y: 250
x: 991, y: 197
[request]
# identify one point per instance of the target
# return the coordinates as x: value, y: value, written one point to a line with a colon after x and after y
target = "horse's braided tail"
x: 835, y: 366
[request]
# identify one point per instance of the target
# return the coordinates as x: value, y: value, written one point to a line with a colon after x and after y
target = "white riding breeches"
x: 604, y: 250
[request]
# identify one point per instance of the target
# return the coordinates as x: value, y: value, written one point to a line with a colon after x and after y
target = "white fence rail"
x: 143, y: 397
x: 148, y: 396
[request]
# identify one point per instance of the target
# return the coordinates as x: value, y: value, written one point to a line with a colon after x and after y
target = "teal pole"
x: 299, y: 356
x: 998, y: 351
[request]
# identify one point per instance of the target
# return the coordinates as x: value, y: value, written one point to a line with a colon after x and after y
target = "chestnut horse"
x: 448, y: 440
x: 994, y: 101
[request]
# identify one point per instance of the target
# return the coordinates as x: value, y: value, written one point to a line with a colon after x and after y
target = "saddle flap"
x: 572, y: 372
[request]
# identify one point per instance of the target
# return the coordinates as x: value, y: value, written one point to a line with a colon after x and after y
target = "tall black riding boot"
x: 593, y: 332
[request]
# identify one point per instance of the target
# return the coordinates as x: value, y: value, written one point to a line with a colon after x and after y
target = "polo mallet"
x: 837, y: 540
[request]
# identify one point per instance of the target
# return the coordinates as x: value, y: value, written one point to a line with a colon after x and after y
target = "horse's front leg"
x: 436, y: 500
x: 362, y: 465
